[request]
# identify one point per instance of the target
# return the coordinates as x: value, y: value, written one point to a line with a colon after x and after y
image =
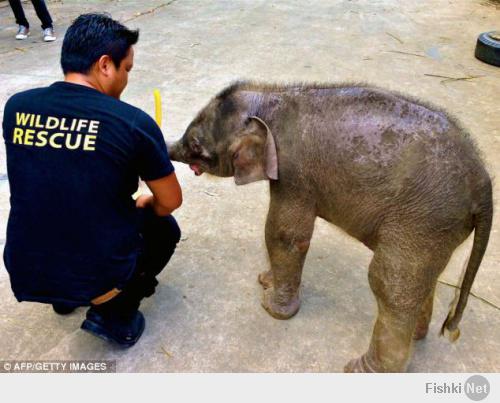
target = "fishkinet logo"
x: 475, y: 388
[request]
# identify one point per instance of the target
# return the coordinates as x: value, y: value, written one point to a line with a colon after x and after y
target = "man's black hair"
x: 91, y: 36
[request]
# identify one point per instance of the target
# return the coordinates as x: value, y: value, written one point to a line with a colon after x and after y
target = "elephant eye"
x: 196, y: 146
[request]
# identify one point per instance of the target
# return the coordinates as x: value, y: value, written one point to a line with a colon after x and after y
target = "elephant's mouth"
x: 196, y: 168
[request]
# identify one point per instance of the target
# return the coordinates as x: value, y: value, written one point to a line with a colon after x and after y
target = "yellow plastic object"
x: 158, y: 114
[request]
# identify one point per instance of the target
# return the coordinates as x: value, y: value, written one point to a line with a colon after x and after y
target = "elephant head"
x: 227, y: 138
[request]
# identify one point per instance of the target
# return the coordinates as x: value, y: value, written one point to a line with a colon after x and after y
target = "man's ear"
x: 254, y: 154
x: 104, y: 65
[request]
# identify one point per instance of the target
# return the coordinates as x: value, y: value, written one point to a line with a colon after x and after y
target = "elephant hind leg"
x: 424, y: 318
x: 403, y: 281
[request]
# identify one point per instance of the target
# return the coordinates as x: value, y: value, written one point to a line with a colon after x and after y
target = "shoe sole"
x: 97, y: 330
x: 64, y: 312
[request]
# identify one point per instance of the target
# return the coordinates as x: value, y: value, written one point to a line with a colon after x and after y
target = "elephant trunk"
x: 175, y: 151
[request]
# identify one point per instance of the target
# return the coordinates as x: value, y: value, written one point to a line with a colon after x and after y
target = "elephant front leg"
x: 266, y: 279
x: 289, y: 229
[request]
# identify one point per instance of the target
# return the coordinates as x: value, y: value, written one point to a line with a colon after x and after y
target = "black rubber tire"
x: 488, y: 48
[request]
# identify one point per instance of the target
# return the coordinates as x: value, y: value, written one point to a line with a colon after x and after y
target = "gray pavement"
x: 206, y: 314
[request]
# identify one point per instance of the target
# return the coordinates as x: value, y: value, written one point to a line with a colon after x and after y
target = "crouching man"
x: 75, y: 236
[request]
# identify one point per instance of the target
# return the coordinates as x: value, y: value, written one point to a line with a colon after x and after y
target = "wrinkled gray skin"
x: 401, y: 177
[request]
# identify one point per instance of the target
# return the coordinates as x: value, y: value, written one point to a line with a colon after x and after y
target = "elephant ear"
x: 254, y: 154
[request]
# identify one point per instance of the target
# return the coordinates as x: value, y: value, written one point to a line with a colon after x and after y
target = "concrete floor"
x: 206, y: 315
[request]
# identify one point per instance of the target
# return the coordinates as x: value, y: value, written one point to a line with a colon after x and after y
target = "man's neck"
x: 82, y: 79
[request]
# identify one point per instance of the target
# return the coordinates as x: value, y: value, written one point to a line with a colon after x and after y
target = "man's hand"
x: 167, y: 195
x: 144, y: 201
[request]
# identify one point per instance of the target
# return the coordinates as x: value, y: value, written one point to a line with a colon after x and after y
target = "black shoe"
x: 124, y: 331
x: 63, y: 309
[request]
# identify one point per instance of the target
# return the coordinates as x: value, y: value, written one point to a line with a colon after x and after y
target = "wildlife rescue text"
x: 58, y: 133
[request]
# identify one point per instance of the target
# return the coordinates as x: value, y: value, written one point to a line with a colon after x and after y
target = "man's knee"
x: 172, y: 229
x: 165, y: 232
x: 161, y: 236
x: 164, y: 228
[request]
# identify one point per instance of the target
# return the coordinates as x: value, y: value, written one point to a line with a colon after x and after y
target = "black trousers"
x: 160, y: 237
x: 41, y: 11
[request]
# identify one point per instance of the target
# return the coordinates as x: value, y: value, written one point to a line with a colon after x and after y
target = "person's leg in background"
x: 24, y: 25
x: 47, y: 24
x: 43, y: 13
x: 119, y: 319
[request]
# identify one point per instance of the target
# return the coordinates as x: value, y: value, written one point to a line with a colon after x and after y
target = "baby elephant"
x: 400, y: 176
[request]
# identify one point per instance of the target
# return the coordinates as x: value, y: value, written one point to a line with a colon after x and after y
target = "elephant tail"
x: 482, y: 226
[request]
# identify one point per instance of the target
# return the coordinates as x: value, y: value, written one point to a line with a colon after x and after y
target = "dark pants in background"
x: 160, y: 237
x: 41, y: 11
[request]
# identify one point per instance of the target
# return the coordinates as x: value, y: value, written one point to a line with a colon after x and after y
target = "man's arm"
x: 166, y: 197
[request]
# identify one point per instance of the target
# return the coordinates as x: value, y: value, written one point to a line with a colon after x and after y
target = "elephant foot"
x: 420, y: 332
x: 266, y: 279
x: 359, y: 365
x: 280, y: 307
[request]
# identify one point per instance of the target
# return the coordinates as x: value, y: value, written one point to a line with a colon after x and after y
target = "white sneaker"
x: 23, y: 32
x: 48, y: 35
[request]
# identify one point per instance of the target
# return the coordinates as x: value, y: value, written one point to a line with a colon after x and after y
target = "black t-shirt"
x: 74, y: 157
